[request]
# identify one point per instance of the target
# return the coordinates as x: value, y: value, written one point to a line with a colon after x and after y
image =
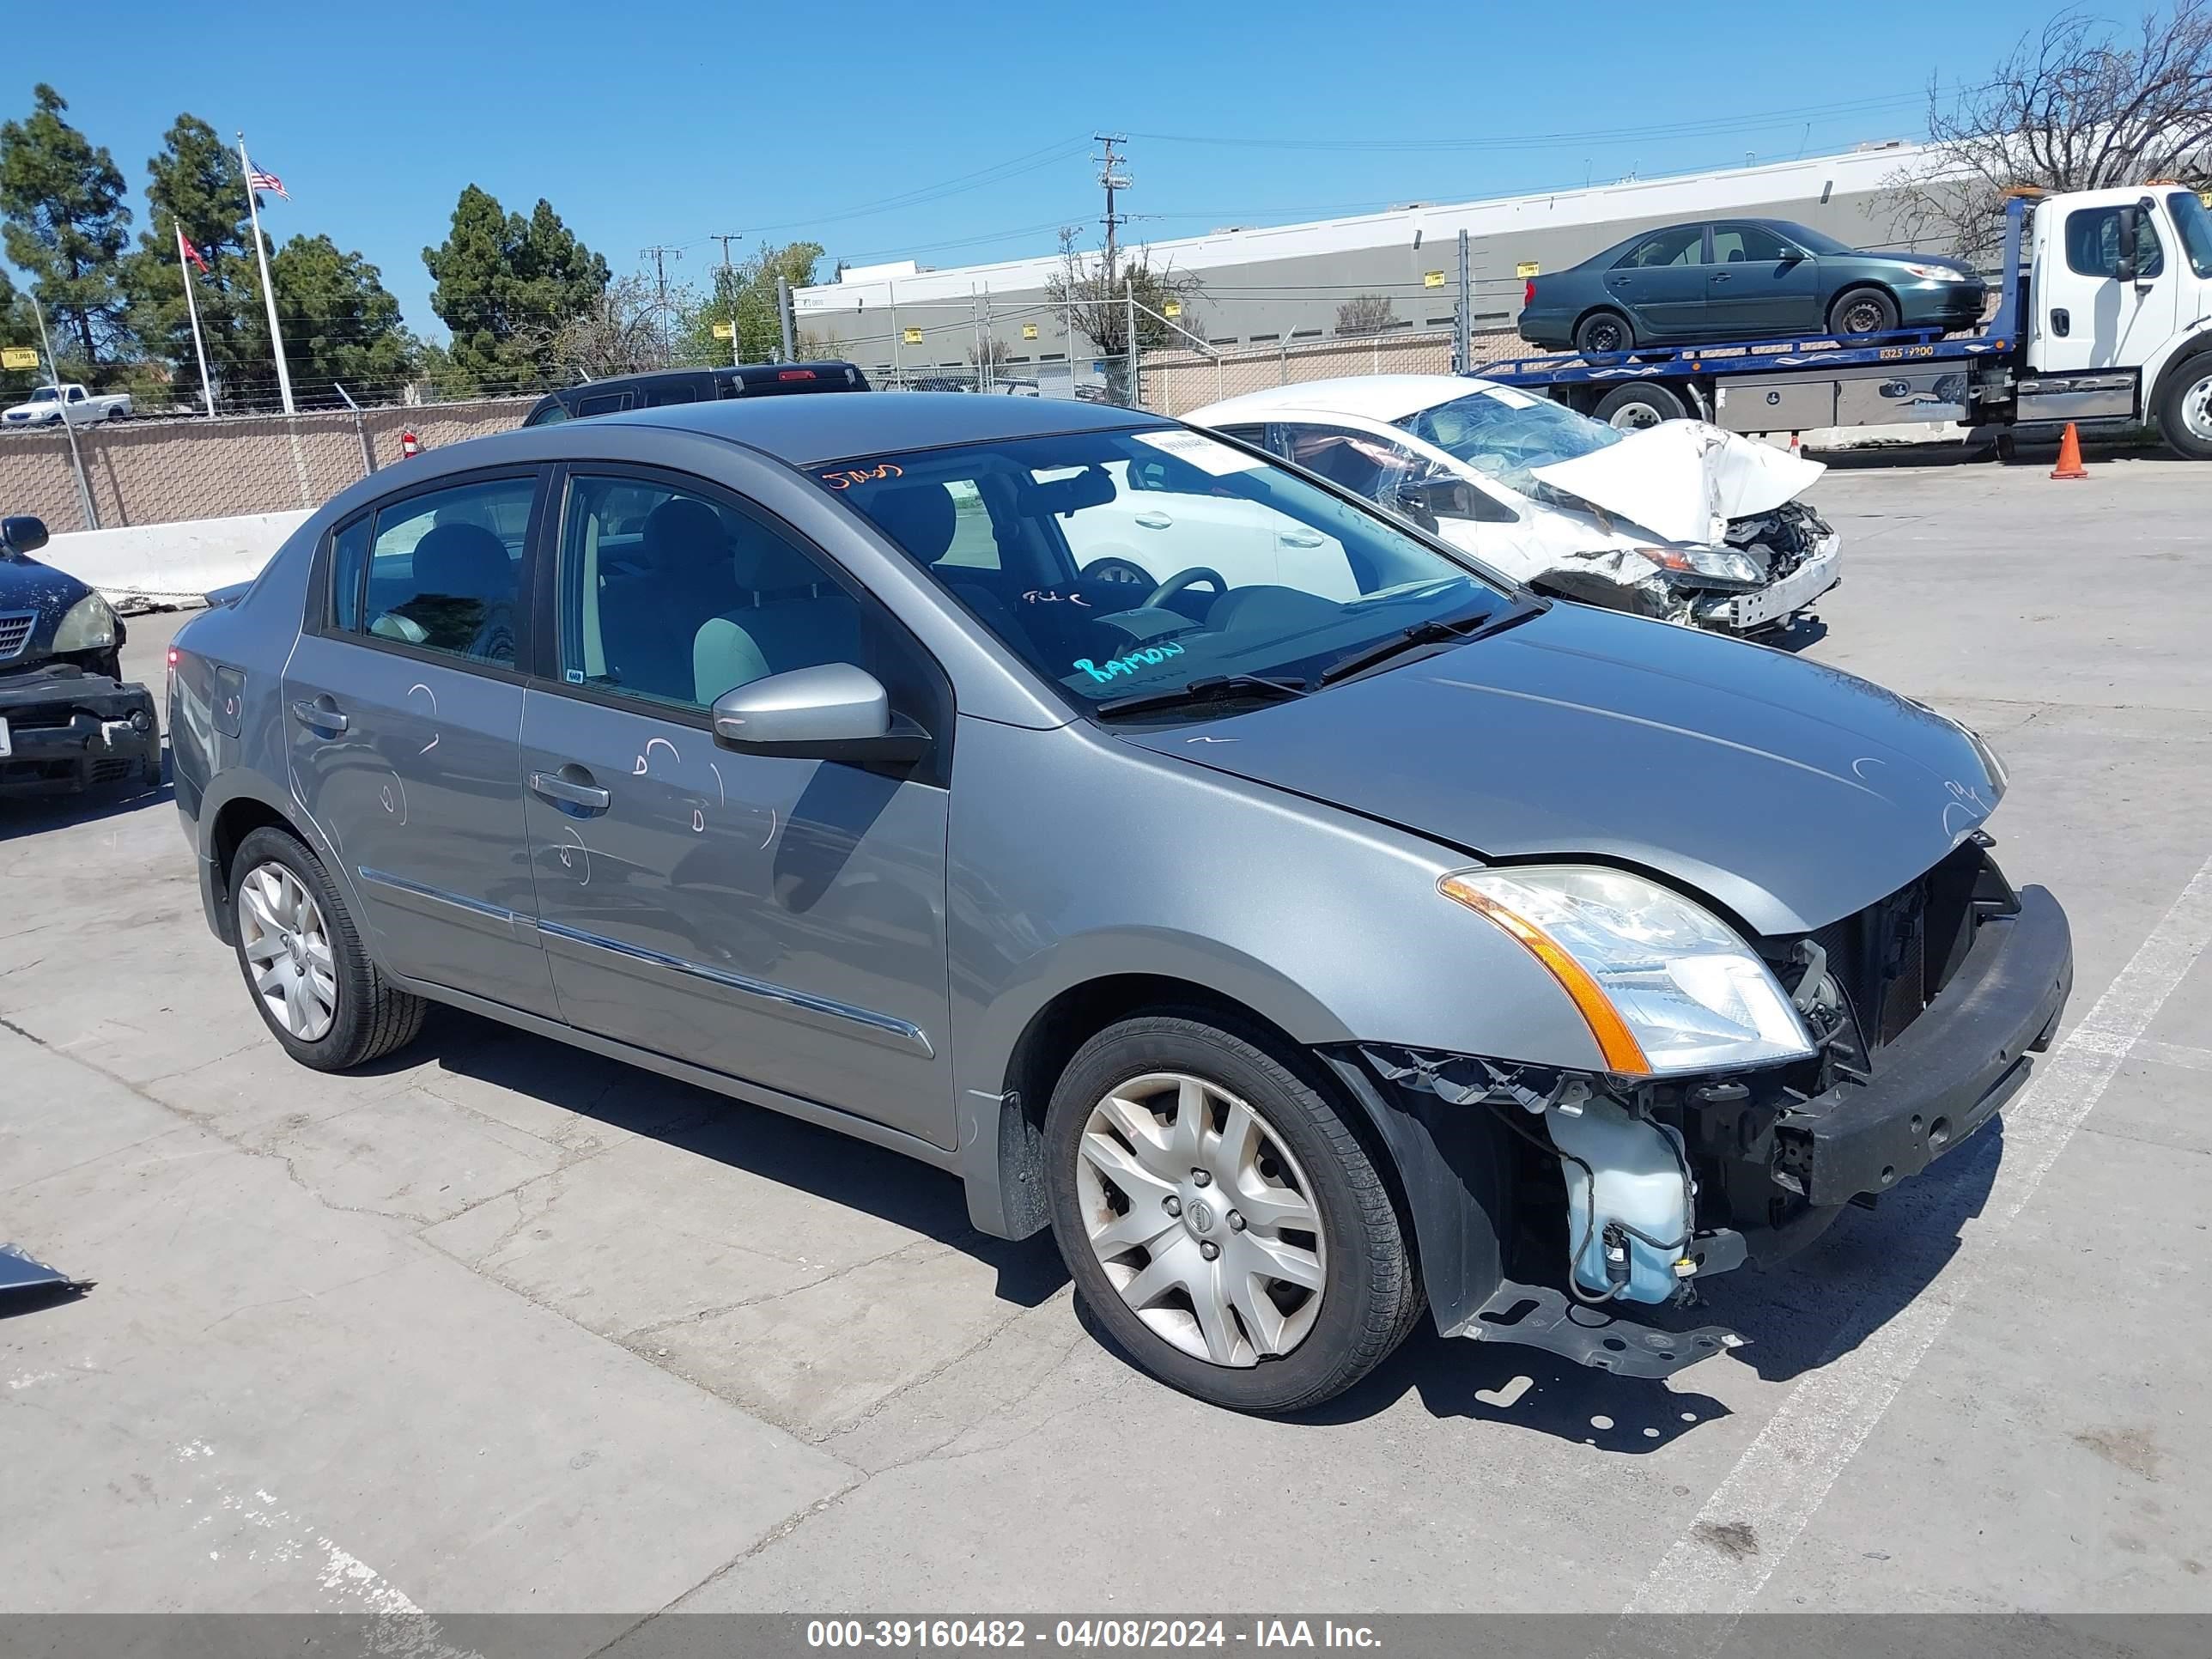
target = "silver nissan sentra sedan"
x: 1304, y: 947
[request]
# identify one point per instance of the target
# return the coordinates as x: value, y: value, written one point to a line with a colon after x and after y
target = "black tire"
x: 2187, y: 429
x: 1632, y: 408
x: 372, y: 1017
x: 1370, y: 1294
x: 1603, y: 332
x: 1863, y: 311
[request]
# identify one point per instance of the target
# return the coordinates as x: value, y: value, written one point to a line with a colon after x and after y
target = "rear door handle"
x: 1153, y: 520
x: 555, y: 787
x: 320, y: 716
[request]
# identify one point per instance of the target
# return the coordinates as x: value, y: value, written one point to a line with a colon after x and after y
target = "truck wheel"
x: 1633, y: 408
x: 2184, y: 407
x: 1863, y: 311
x: 309, y: 975
x: 1220, y: 1217
x: 1603, y: 331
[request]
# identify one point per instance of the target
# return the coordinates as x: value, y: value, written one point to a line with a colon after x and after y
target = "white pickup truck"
x: 68, y: 402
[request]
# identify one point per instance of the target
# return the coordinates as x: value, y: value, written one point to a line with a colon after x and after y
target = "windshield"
x: 44, y: 394
x: 1120, y: 563
x: 1504, y: 433
x: 1812, y: 240
x: 2196, y: 227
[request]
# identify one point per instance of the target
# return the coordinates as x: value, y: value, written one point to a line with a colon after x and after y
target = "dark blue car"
x: 1736, y: 279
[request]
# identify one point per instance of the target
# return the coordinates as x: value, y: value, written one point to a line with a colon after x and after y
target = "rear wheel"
x: 1603, y: 331
x: 1863, y: 311
x: 2184, y: 407
x: 1633, y: 408
x: 1220, y: 1217
x: 310, y: 977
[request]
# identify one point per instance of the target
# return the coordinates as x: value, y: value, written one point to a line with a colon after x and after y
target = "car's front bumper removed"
x: 68, y: 730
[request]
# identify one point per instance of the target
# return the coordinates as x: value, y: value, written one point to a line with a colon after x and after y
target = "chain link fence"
x: 1176, y: 382
x: 158, y: 471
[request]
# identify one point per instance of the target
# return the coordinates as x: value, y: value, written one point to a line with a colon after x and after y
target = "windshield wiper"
x: 1211, y: 688
x: 1445, y: 631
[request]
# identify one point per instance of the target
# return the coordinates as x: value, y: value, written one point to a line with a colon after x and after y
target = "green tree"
x: 66, y: 223
x: 195, y: 183
x: 341, y: 326
x: 506, y: 287
x: 748, y: 290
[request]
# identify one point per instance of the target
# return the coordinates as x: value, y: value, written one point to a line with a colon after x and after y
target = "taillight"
x: 794, y: 374
x: 1528, y: 292
x: 173, y: 656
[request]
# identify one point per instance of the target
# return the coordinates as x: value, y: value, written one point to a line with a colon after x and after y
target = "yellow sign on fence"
x: 1432, y: 279
x: 1028, y: 331
x: 912, y: 335
x: 1172, y: 308
x: 726, y: 330
x: 1526, y: 268
x: 18, y: 357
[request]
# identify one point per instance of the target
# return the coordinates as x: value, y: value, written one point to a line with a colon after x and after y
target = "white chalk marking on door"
x: 1785, y: 1473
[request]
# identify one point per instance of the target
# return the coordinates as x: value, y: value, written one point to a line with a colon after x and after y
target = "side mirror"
x: 1791, y: 256
x: 835, y: 711
x: 2126, y: 270
x: 22, y: 534
x: 1425, y: 500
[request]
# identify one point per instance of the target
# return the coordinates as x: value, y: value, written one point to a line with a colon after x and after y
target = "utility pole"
x: 1464, y: 324
x: 660, y: 255
x: 1112, y: 176
x: 730, y: 291
x: 783, y: 315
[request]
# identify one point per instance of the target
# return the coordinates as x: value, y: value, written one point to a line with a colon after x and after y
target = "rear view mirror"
x: 835, y: 711
x: 1092, y: 486
x: 22, y: 534
x: 1425, y: 500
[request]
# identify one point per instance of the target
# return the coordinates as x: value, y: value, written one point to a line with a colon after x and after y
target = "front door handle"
x: 321, y: 715
x: 1720, y: 276
x: 1291, y: 539
x: 1153, y: 520
x: 568, y: 792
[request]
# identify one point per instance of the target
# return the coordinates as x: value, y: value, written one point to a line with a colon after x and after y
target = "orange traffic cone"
x: 2069, y: 456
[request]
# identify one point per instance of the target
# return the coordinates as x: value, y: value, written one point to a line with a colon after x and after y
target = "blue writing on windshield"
x: 1114, y: 666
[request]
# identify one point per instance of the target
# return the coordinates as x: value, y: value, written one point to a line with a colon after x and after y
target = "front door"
x: 403, y: 711
x: 776, y: 920
x: 1758, y: 285
x: 1660, y: 283
x: 2086, y: 316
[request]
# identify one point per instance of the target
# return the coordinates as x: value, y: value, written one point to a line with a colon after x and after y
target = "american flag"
x: 256, y: 179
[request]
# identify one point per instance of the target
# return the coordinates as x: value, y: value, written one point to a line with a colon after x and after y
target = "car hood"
x: 1785, y: 791
x: 1684, y: 480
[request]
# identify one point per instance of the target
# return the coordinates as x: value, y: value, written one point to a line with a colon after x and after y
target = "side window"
x: 672, y: 392
x: 1733, y: 244
x: 2093, y: 243
x: 1255, y: 436
x: 554, y: 412
x: 606, y: 402
x: 1680, y: 245
x: 1357, y: 461
x: 671, y: 594
x: 444, y: 569
x: 348, y: 553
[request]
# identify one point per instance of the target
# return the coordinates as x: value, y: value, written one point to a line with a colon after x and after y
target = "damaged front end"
x: 1550, y: 1205
x: 1769, y: 566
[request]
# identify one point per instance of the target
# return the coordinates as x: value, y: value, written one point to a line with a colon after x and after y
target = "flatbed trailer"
x: 1808, y: 382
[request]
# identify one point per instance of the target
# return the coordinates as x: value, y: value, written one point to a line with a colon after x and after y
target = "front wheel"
x: 1221, y: 1219
x: 2184, y: 407
x: 1863, y: 311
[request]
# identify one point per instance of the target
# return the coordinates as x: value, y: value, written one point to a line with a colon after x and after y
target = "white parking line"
x: 1785, y: 1473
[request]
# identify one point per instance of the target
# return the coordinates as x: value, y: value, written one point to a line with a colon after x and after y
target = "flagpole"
x: 193, y: 305
x: 268, y: 289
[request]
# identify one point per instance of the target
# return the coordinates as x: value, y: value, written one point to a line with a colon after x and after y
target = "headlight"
x: 89, y: 626
x: 1724, y: 562
x: 1665, y: 985
x: 1934, y: 273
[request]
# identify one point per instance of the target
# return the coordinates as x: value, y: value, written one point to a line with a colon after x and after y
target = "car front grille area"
x: 1780, y: 540
x: 15, y: 633
x: 1889, y: 960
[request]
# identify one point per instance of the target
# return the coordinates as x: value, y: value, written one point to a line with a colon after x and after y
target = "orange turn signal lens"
x: 1623, y: 1054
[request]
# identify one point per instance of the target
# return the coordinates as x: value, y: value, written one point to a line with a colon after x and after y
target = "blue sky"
x: 961, y: 133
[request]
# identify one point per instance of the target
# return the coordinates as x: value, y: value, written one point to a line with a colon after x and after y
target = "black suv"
x: 693, y: 386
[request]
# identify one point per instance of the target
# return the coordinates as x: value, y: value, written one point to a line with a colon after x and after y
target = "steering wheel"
x: 1182, y: 578
x: 1122, y: 573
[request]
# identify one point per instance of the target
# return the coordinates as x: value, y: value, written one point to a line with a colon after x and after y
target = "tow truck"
x: 2104, y: 317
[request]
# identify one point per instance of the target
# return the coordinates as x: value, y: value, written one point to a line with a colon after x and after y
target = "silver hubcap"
x: 1201, y: 1218
x: 288, y: 952
x: 2197, y: 410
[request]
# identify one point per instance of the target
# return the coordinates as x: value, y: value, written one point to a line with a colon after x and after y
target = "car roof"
x: 805, y: 430
x: 1378, y: 396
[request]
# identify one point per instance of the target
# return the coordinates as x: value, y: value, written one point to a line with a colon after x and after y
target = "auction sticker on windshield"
x: 1201, y: 453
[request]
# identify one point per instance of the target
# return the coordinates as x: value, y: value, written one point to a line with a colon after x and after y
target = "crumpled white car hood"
x: 1684, y: 480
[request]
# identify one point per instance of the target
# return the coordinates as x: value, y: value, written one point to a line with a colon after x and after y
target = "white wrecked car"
x: 1680, y: 520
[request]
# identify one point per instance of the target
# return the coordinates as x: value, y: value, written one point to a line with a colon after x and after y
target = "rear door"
x: 404, y: 711
x: 776, y: 920
x: 1759, y: 284
x: 1660, y: 282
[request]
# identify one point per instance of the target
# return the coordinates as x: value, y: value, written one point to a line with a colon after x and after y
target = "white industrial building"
x: 1262, y: 286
